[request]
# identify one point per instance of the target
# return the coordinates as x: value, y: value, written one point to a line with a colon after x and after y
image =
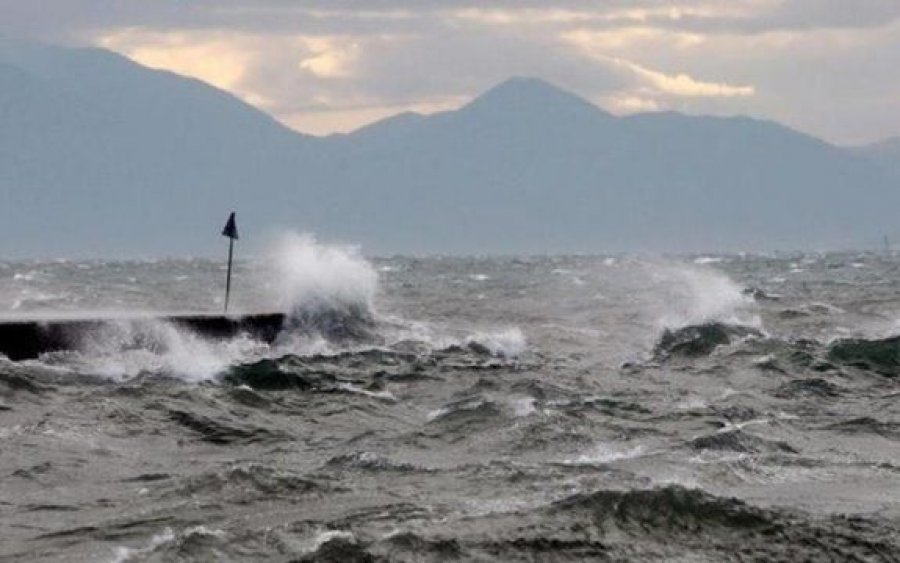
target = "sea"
x: 534, y: 408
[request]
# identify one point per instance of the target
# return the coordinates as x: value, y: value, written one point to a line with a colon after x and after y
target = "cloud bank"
x: 822, y: 66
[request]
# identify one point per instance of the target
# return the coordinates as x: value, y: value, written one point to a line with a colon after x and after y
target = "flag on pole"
x: 230, y: 229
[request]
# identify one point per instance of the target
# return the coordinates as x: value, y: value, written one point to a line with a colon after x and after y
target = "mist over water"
x: 697, y: 295
x: 309, y: 276
x: 425, y: 409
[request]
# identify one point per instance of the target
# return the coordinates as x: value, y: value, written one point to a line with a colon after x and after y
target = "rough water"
x: 518, y: 409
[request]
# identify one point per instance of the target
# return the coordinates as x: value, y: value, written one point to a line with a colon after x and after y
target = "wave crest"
x: 327, y: 290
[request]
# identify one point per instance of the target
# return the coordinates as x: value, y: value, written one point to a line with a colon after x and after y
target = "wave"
x: 340, y: 546
x: 667, y: 296
x: 662, y: 510
x: 506, y: 343
x: 124, y: 554
x: 438, y: 549
x: 123, y: 349
x: 362, y: 371
x: 328, y: 294
x: 17, y: 382
x: 605, y: 453
x: 370, y: 461
x: 737, y: 440
x: 868, y: 425
x: 326, y: 290
x: 700, y: 340
x: 283, y: 373
x: 463, y: 412
x: 881, y: 356
x: 221, y: 431
x: 660, y: 523
x: 694, y: 295
x: 812, y: 387
x: 243, y: 482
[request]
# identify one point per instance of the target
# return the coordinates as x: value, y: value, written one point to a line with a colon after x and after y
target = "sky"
x: 830, y: 68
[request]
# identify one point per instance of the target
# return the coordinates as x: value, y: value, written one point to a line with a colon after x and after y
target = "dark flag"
x: 230, y: 229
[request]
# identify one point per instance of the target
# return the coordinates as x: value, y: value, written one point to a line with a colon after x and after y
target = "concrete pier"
x: 28, y: 339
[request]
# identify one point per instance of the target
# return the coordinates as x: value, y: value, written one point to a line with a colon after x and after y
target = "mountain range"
x: 101, y: 156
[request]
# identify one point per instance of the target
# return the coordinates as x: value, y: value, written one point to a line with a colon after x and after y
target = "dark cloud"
x: 68, y: 19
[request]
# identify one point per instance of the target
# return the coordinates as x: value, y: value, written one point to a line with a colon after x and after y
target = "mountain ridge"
x: 154, y: 161
x: 884, y: 154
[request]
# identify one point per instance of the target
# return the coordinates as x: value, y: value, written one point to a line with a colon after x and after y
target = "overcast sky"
x: 826, y: 67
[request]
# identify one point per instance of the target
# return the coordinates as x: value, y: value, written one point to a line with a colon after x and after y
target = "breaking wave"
x: 695, y: 295
x: 328, y: 295
x: 326, y: 290
x: 123, y: 349
x: 699, y: 340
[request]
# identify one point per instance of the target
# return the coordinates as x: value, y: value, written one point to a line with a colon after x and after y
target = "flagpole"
x: 228, y: 278
x: 231, y: 232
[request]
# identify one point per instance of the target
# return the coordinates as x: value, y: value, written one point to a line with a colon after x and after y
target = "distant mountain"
x: 97, y: 152
x: 884, y: 154
x: 527, y: 166
x: 99, y: 155
x: 888, y: 148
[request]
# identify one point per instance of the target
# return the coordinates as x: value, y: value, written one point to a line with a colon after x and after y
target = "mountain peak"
x: 521, y: 95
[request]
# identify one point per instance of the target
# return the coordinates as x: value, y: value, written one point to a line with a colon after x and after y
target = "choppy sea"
x: 557, y: 408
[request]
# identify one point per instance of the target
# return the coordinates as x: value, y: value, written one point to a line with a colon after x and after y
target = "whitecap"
x: 124, y: 554
x: 606, y: 453
x: 506, y: 343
